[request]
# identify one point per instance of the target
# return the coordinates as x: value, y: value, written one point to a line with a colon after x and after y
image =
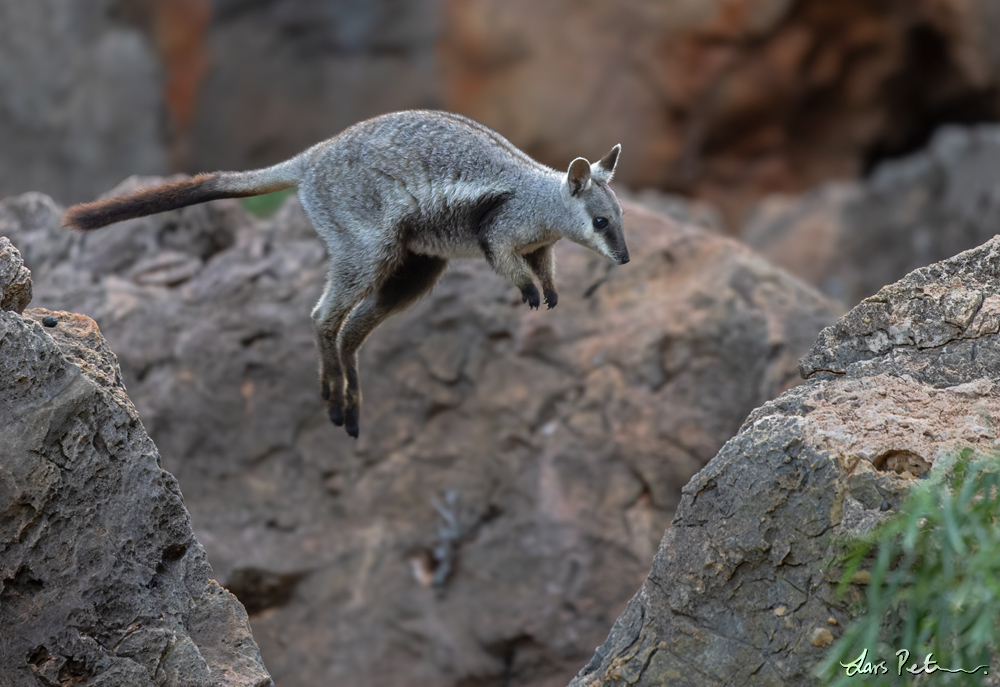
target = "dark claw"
x: 351, y: 422
x: 530, y: 295
x: 337, y: 417
x: 551, y: 298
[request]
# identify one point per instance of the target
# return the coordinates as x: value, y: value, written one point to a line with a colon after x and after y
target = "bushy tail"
x: 200, y: 189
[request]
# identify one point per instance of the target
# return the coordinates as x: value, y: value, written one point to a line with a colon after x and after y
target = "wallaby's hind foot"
x: 413, y: 277
x: 351, y: 420
x: 336, y: 413
x: 332, y: 393
x: 328, y: 317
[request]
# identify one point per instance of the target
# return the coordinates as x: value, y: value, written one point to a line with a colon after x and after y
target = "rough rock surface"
x: 740, y: 591
x: 80, y: 99
x: 15, y: 279
x: 850, y: 239
x: 515, y: 469
x: 101, y: 579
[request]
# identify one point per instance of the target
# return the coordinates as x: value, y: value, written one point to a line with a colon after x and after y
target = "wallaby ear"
x: 578, y: 176
x: 604, y: 168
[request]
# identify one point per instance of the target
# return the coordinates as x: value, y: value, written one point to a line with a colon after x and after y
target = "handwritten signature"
x: 862, y: 666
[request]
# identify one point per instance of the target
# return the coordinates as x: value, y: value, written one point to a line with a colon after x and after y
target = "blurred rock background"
x: 726, y: 100
x: 845, y: 141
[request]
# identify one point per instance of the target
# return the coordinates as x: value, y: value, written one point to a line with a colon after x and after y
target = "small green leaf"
x: 267, y: 204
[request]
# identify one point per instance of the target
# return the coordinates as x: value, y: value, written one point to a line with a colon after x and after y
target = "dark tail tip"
x: 100, y: 213
x: 82, y: 218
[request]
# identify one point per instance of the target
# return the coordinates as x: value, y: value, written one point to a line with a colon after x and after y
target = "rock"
x: 80, y: 99
x: 15, y: 279
x: 821, y: 637
x: 101, y: 578
x: 725, y: 100
x: 176, y: 30
x: 850, y: 239
x: 741, y: 590
x: 287, y: 74
x: 515, y: 470
x: 678, y: 208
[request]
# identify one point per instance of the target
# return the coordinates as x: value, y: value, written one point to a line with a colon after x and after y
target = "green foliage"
x: 267, y: 204
x: 935, y: 582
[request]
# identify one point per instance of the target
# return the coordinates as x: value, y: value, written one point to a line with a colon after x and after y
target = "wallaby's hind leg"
x: 328, y: 318
x: 543, y: 263
x: 412, y: 279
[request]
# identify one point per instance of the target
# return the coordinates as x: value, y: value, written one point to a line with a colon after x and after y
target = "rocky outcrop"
x: 741, y: 589
x: 101, y: 579
x: 15, y: 279
x: 515, y: 470
x: 850, y: 239
x: 80, y: 99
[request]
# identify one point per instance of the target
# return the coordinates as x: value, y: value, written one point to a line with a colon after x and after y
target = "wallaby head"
x: 596, y: 216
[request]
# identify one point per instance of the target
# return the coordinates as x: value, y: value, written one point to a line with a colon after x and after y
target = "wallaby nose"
x: 623, y: 259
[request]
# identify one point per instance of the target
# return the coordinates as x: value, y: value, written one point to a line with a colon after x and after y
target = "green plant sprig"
x: 935, y: 580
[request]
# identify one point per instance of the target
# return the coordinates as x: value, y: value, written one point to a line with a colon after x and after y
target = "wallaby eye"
x: 600, y: 223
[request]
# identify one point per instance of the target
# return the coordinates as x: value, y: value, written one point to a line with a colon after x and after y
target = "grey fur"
x: 395, y: 197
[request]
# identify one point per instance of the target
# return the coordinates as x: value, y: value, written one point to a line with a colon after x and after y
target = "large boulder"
x: 850, y: 239
x: 102, y: 581
x: 515, y: 470
x: 742, y: 590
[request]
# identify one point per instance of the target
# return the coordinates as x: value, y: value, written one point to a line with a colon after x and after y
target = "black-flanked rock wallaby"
x: 396, y: 197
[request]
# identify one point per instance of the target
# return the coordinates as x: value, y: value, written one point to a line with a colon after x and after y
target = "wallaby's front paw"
x: 551, y: 298
x: 530, y: 295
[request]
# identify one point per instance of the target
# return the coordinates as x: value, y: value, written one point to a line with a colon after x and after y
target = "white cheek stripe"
x: 598, y: 241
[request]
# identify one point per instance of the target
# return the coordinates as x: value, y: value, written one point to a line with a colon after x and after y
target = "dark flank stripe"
x: 200, y: 189
x: 455, y: 224
x: 485, y: 209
